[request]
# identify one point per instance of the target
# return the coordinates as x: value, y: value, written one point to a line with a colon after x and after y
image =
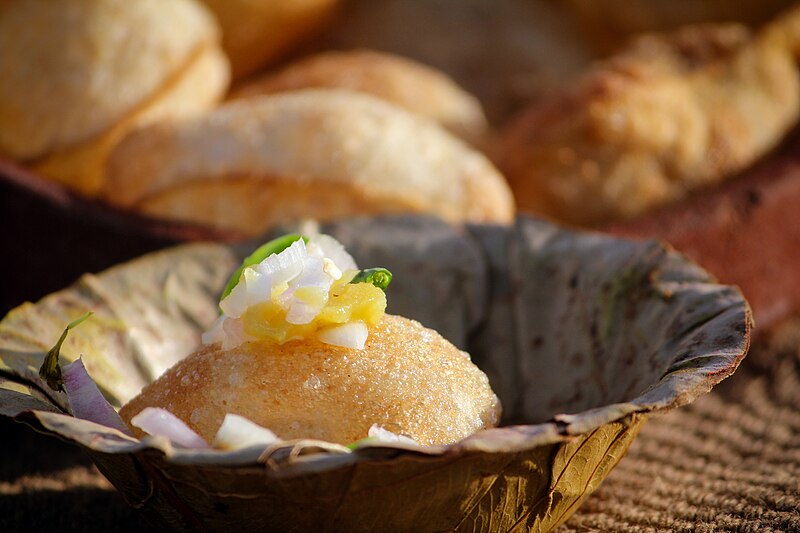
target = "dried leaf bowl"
x: 583, y: 336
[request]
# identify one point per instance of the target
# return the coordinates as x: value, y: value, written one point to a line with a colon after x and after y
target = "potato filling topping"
x: 298, y: 288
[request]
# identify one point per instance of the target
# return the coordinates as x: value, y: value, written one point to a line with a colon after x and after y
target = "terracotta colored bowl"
x: 583, y: 337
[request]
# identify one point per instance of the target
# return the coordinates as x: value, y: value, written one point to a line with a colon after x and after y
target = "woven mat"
x: 730, y: 461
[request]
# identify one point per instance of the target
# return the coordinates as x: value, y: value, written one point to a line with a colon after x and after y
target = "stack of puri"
x: 77, y: 75
x: 334, y: 134
x: 684, y: 136
x: 313, y: 153
x: 610, y: 24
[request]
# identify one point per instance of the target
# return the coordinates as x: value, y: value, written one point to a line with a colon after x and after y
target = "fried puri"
x: 669, y: 115
x: 610, y: 24
x: 403, y: 82
x: 316, y: 153
x: 78, y: 75
x: 408, y: 379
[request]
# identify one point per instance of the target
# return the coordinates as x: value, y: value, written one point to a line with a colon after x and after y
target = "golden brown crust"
x: 72, y: 69
x: 384, y: 156
x: 270, y: 201
x: 403, y: 82
x: 610, y: 24
x: 194, y: 88
x: 257, y: 32
x: 669, y: 115
x: 408, y: 379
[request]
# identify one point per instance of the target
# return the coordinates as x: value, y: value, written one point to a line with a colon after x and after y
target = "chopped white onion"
x: 215, y: 333
x: 285, y: 266
x: 313, y: 275
x: 257, y: 281
x: 302, y: 312
x: 86, y: 400
x: 258, y: 286
x: 384, y: 435
x: 160, y: 422
x: 235, y: 303
x: 350, y: 335
x: 233, y: 334
x: 239, y: 432
x: 334, y: 250
x: 227, y: 331
x: 330, y: 268
x: 300, y: 266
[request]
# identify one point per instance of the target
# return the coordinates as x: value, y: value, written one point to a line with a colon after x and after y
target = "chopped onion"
x: 257, y: 281
x: 258, y: 286
x: 239, y: 432
x: 234, y: 334
x: 160, y: 422
x: 215, y: 333
x: 313, y: 275
x: 330, y: 268
x: 227, y: 331
x: 350, y: 335
x: 333, y: 249
x: 299, y: 279
x: 384, y: 435
x: 86, y: 400
x: 306, y: 304
x: 286, y: 265
x: 235, y: 303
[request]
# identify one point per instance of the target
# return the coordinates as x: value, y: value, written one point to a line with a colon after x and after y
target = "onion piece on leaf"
x: 238, y: 432
x: 160, y: 422
x: 381, y: 434
x: 86, y: 400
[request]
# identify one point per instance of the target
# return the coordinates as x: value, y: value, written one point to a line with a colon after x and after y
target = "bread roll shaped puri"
x: 317, y: 153
x: 303, y: 348
x: 416, y: 87
x: 77, y: 75
x: 668, y: 115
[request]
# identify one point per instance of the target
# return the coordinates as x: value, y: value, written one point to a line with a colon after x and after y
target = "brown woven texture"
x: 728, y: 462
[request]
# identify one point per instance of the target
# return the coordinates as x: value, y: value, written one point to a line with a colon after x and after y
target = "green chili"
x: 380, y: 277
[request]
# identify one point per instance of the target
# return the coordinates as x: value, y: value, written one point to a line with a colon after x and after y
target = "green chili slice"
x: 380, y: 277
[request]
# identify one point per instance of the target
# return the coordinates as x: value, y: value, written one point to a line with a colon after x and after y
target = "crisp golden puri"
x: 413, y: 86
x: 327, y: 152
x: 78, y: 75
x: 669, y: 115
x: 408, y: 379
